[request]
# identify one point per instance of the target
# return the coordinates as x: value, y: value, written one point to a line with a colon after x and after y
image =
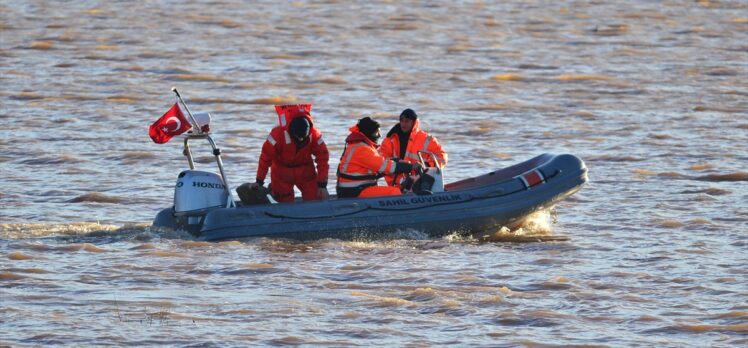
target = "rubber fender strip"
x: 471, y: 198
x: 277, y: 216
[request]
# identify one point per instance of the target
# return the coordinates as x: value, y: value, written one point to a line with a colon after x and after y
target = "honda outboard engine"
x: 196, y: 193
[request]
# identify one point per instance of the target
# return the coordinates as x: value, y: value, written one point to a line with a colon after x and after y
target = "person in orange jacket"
x: 404, y: 141
x: 361, y: 164
x: 288, y: 153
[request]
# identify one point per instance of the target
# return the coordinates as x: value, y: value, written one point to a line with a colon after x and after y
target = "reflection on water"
x: 652, y: 95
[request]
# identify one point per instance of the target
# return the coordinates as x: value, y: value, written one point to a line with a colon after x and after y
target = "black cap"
x: 299, y: 128
x: 369, y: 127
x: 409, y: 114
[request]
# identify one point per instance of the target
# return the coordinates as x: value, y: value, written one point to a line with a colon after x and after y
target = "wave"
x: 705, y: 108
x: 611, y: 158
x: 42, y: 45
x: 537, y: 227
x: 276, y: 100
x: 536, y: 67
x: 508, y: 77
x: 96, y: 198
x: 123, y: 99
x: 668, y: 223
x: 610, y: 30
x: 701, y: 166
x: 198, y: 77
x: 52, y: 159
x: 26, y: 96
x: 729, y: 177
x: 702, y: 328
x: 138, y: 155
x: 332, y: 80
x: 78, y: 230
x: 221, y: 22
x: 20, y: 231
x: 737, y: 176
x: 582, y: 77
x: 709, y: 191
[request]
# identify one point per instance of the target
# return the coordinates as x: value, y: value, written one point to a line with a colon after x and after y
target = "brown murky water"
x: 652, y: 95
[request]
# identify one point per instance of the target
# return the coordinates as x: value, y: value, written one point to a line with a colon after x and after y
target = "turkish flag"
x: 171, y: 124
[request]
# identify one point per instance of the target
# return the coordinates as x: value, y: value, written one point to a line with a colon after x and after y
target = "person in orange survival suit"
x: 361, y: 165
x: 404, y: 141
x: 288, y: 153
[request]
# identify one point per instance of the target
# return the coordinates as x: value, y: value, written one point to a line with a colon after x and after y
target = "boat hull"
x: 472, y: 206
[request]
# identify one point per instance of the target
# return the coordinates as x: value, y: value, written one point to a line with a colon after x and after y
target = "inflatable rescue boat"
x: 204, y: 204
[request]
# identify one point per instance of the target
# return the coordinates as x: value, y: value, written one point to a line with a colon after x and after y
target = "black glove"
x: 256, y: 186
x: 403, y: 167
x: 418, y: 168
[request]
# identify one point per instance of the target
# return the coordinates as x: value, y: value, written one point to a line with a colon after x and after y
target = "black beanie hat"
x: 299, y: 127
x: 369, y: 127
x: 409, y: 114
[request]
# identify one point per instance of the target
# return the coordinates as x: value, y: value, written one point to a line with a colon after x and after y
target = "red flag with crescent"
x: 171, y: 124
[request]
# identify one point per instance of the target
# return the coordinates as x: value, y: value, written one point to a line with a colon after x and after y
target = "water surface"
x: 652, y: 95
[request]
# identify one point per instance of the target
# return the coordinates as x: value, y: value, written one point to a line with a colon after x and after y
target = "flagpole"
x: 216, y: 151
x: 195, y: 124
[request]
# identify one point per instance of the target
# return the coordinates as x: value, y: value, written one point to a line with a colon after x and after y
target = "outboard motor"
x: 195, y: 194
x: 198, y: 191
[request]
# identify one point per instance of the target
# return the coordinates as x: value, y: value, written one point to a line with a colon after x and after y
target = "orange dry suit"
x: 360, y: 167
x: 405, y: 146
x: 290, y: 161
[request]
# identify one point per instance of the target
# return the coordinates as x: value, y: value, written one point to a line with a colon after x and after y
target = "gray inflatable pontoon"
x: 476, y: 205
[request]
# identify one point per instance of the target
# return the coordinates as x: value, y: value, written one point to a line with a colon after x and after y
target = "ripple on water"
x: 709, y: 191
x: 28, y: 270
x: 197, y: 77
x: 164, y: 253
x: 192, y: 244
x: 26, y: 96
x: 508, y: 77
x: 81, y: 247
x: 95, y: 197
x: 332, y: 80
x: 736, y: 176
x: 23, y: 231
x: 669, y: 223
x: 613, y: 158
x: 383, y: 301
x: 10, y: 276
x: 52, y: 159
x: 702, y: 328
x: 19, y: 256
x: 134, y: 157
x: 252, y: 268
x: 421, y: 295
